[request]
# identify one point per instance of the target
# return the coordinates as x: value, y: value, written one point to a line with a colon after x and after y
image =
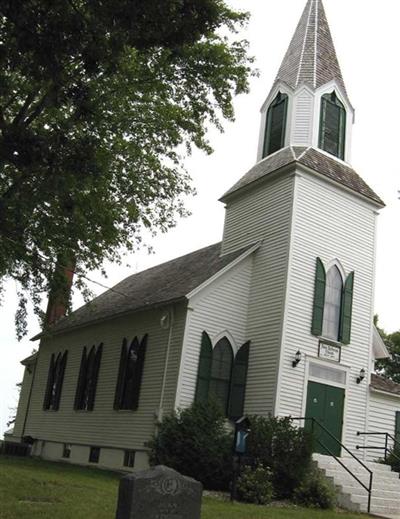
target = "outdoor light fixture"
x: 361, y: 376
x: 297, y: 358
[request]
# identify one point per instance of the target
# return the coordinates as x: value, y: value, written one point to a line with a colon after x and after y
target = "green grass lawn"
x: 31, y: 489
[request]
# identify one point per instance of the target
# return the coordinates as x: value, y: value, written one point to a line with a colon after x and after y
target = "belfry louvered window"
x: 87, y: 381
x: 55, y: 380
x: 333, y: 304
x: 130, y: 373
x: 332, y: 134
x: 221, y: 376
x: 275, y: 128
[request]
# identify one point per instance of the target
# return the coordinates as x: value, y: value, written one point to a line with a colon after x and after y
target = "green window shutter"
x: 238, y: 382
x: 332, y: 132
x: 138, y: 374
x: 275, y: 128
x: 60, y: 380
x: 121, y: 375
x: 397, y: 429
x: 347, y: 307
x: 50, y: 382
x: 81, y: 381
x: 94, y: 377
x: 319, y: 299
x: 204, y: 371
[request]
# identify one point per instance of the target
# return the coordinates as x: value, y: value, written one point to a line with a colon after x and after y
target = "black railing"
x: 387, y: 450
x: 368, y: 488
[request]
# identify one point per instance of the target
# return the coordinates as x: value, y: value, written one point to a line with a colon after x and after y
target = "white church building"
x: 276, y: 319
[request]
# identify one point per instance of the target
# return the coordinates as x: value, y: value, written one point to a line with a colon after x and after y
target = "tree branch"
x: 38, y: 109
x: 21, y: 114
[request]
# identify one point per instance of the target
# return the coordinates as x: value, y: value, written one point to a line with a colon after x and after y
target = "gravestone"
x: 159, y: 493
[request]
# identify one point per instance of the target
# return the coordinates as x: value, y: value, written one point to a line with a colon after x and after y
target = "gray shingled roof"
x: 384, y: 384
x: 311, y: 57
x: 153, y: 287
x: 313, y: 159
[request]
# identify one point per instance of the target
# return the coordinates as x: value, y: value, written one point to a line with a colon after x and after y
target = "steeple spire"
x: 311, y: 57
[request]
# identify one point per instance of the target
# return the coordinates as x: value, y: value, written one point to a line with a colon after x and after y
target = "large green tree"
x: 99, y: 102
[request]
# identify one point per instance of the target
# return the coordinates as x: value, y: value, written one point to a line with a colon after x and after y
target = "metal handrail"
x: 385, y: 448
x: 371, y: 474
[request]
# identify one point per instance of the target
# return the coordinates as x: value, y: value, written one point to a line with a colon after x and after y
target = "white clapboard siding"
x: 331, y: 224
x: 23, y: 402
x: 303, y: 118
x: 104, y: 426
x: 220, y: 308
x: 263, y: 213
x: 382, y: 418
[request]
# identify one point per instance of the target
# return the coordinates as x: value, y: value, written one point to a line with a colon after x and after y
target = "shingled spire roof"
x: 311, y: 57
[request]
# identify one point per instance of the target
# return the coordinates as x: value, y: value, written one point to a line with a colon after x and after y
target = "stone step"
x: 375, y: 467
x: 327, y: 461
x: 376, y: 493
x: 387, y: 476
x: 352, y: 496
x: 377, y: 483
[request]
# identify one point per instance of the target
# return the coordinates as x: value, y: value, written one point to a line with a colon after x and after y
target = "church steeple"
x: 311, y: 57
x: 308, y: 104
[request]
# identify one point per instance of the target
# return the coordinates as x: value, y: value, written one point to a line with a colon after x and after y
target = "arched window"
x: 87, y: 381
x: 275, y: 128
x: 130, y: 373
x: 221, y: 376
x: 221, y: 370
x: 332, y: 134
x: 55, y: 380
x: 333, y: 304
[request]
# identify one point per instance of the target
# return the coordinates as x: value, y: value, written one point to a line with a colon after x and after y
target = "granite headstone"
x: 159, y: 493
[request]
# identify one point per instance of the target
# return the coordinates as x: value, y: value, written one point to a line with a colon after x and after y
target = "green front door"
x: 325, y: 404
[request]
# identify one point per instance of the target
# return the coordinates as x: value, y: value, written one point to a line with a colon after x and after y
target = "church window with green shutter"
x: 275, y: 128
x: 333, y: 304
x: 222, y: 376
x: 332, y: 134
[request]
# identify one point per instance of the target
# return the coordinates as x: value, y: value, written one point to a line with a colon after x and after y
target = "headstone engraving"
x: 159, y: 493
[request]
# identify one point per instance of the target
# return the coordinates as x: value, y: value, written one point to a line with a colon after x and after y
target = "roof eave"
x: 307, y: 169
x: 229, y: 195
x: 49, y: 333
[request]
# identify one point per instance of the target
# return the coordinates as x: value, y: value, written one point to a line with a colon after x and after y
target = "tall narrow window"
x: 55, y: 380
x: 130, y: 374
x: 221, y: 376
x: 332, y: 135
x: 87, y: 381
x: 221, y: 370
x: 333, y: 302
x: 275, y: 127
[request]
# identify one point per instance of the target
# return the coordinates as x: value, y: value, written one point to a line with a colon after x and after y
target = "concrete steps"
x: 352, y: 496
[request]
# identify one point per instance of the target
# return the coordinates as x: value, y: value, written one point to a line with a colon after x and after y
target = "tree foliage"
x: 390, y: 367
x: 99, y: 102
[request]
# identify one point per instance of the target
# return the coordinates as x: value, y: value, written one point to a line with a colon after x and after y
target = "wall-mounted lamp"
x: 297, y: 358
x: 361, y: 376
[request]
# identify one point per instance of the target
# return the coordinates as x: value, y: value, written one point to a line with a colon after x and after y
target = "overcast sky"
x: 366, y: 36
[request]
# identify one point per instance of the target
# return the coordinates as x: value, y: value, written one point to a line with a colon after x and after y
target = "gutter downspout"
x: 28, y: 405
x: 164, y: 381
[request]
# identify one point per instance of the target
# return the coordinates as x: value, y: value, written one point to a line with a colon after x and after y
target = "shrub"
x: 195, y: 442
x: 393, y: 459
x: 287, y: 450
x: 315, y: 491
x: 254, y: 485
